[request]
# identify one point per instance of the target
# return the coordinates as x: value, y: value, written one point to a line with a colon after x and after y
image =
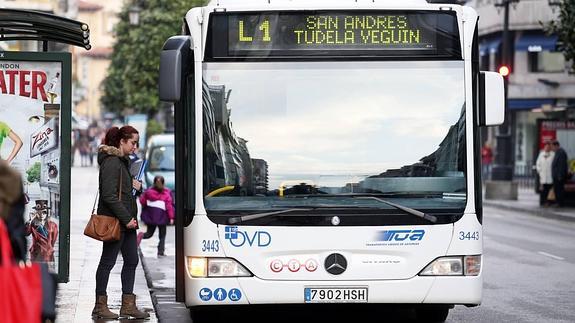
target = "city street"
x: 359, y: 136
x: 528, y: 270
x: 528, y: 275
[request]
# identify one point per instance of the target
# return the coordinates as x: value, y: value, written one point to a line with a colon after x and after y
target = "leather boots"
x: 101, y: 309
x: 129, y: 308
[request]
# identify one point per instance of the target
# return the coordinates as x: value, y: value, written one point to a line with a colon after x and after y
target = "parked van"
x: 160, y: 154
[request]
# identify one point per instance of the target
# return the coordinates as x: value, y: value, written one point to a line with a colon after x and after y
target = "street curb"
x: 145, y: 266
x: 150, y: 284
x: 537, y: 212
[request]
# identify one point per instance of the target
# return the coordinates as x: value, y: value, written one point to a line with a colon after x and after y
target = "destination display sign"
x: 305, y: 33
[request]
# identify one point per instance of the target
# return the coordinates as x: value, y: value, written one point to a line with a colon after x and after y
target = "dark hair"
x: 555, y: 143
x: 115, y: 134
x: 160, y: 179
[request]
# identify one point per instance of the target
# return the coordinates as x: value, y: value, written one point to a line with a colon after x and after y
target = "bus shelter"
x: 35, y: 126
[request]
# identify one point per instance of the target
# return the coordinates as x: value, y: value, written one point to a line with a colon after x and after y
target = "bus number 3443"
x: 468, y: 235
x: 210, y: 245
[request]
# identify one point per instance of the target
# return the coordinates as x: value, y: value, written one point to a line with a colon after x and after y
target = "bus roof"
x: 305, y: 4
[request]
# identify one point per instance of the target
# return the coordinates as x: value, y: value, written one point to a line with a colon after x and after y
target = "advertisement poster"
x: 560, y: 130
x: 32, y: 108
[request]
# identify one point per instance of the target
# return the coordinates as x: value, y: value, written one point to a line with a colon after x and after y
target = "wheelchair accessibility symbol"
x: 234, y: 295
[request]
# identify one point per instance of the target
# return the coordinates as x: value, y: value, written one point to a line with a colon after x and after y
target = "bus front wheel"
x: 432, y: 313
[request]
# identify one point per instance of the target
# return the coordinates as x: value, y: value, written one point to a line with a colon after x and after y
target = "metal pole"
x: 503, y: 165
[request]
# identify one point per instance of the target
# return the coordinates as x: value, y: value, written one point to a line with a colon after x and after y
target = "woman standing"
x: 157, y: 211
x: 116, y: 199
x: 543, y: 165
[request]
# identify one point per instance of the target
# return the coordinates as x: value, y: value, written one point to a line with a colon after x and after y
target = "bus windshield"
x: 279, y: 135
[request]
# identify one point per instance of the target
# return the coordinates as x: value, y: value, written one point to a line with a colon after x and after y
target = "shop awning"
x: 528, y: 104
x: 489, y: 46
x: 536, y: 43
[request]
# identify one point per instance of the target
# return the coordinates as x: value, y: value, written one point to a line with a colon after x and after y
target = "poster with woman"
x: 34, y: 110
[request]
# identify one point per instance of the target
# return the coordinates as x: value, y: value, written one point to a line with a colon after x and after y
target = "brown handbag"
x: 104, y: 227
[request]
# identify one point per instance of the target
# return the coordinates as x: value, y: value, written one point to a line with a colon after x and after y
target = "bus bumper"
x: 252, y: 290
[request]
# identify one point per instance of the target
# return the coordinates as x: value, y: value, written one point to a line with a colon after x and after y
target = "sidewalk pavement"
x: 161, y: 276
x: 528, y: 202
x: 75, y: 299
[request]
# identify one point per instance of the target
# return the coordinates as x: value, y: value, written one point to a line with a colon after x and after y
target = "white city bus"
x: 328, y: 152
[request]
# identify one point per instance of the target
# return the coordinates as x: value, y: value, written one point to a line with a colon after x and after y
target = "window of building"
x: 111, y: 21
x: 546, y: 62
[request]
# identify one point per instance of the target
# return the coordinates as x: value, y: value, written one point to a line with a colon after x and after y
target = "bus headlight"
x: 216, y: 267
x: 198, y: 266
x: 453, y: 266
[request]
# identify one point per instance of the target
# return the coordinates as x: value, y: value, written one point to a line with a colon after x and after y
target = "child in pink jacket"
x: 157, y: 211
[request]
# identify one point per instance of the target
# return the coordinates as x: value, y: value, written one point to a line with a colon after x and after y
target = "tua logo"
x: 400, y: 235
x: 239, y: 238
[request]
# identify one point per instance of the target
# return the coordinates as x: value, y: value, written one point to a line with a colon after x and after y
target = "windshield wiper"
x: 240, y: 219
x: 254, y: 216
x: 355, y: 195
x: 428, y: 217
x: 243, y: 218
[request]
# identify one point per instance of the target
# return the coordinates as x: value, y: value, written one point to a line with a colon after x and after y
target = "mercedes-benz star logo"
x: 335, y: 264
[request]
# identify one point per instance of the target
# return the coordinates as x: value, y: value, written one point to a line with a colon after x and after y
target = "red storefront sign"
x: 548, y: 130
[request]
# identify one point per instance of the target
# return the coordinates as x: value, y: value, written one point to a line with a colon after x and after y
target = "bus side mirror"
x: 175, y: 59
x: 491, y: 99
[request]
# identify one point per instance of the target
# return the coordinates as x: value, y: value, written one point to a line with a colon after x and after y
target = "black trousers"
x: 129, y: 248
x: 559, y: 188
x: 150, y: 232
x: 544, y: 193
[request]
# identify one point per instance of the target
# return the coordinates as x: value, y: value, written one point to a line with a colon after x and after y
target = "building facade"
x: 64, y: 8
x: 91, y: 66
x: 88, y: 67
x: 541, y: 92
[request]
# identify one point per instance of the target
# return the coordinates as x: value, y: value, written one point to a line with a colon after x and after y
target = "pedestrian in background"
x: 93, y: 150
x: 559, y: 173
x: 116, y: 199
x: 486, y: 160
x: 157, y: 211
x: 544, y: 169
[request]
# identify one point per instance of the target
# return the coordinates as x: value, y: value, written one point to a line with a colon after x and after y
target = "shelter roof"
x: 16, y: 24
